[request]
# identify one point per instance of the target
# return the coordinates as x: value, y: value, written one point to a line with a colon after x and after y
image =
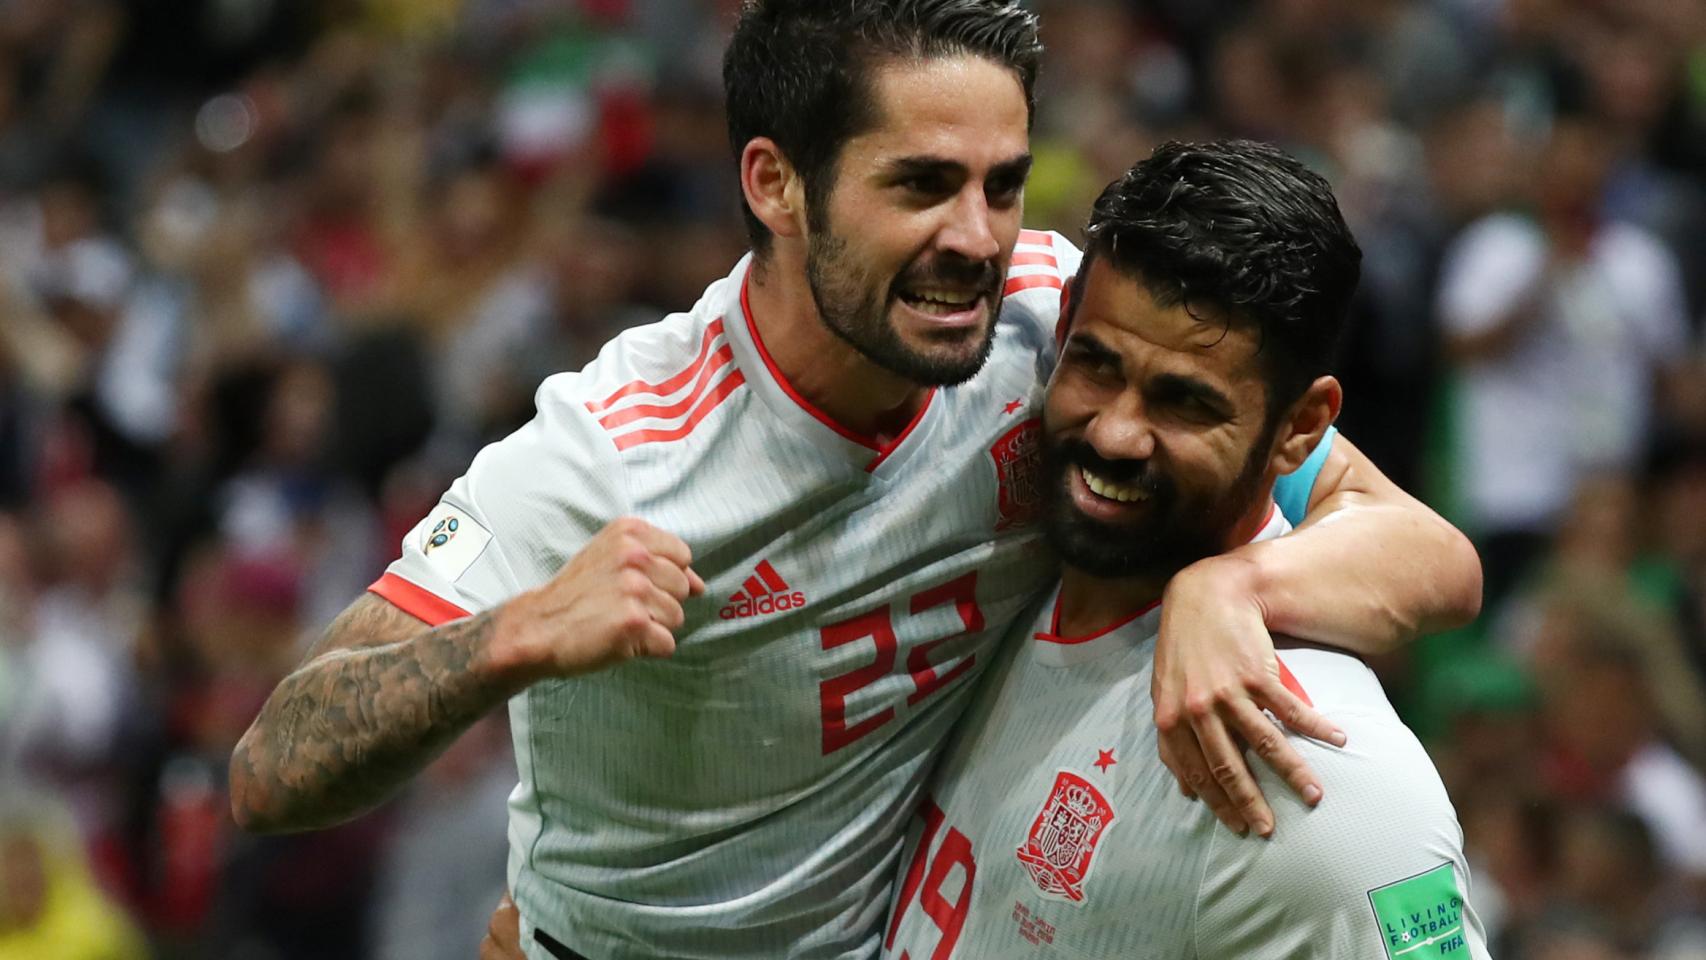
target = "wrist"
x: 510, y: 660
x: 1235, y: 577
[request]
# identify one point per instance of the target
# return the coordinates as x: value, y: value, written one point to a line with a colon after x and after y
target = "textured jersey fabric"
x: 748, y: 796
x: 1052, y: 829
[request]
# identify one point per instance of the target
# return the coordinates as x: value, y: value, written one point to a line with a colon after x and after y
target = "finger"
x: 505, y: 927
x: 671, y: 579
x: 696, y: 583
x: 1227, y: 768
x: 1270, y: 743
x: 1172, y: 765
x: 661, y: 542
x: 665, y: 609
x: 1296, y: 713
x: 655, y: 641
x: 1194, y: 780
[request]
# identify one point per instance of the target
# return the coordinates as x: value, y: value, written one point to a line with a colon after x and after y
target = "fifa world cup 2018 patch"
x: 1060, y: 848
x: 1421, y: 916
x: 451, y: 541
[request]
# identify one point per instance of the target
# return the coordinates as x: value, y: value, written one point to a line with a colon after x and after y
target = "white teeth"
x: 945, y: 298
x: 1111, y: 491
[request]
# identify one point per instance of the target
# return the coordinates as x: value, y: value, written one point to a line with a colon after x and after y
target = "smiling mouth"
x: 1109, y: 490
x: 939, y: 302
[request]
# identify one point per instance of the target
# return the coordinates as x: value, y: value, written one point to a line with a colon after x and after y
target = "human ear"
x: 772, y: 187
x: 1303, y: 426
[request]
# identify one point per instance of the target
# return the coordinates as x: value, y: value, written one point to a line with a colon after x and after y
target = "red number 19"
x: 950, y: 918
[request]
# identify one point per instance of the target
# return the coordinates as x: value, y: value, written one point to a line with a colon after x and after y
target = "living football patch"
x: 1421, y: 916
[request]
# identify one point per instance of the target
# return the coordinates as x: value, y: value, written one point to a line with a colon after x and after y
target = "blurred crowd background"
x: 270, y: 273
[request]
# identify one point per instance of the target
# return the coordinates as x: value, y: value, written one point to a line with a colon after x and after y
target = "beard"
x: 855, y: 306
x: 1176, y: 528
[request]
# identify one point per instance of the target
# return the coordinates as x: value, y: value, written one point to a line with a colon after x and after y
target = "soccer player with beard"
x: 736, y: 578
x: 1216, y: 282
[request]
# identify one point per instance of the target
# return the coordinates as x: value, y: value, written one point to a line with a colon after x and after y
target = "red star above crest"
x: 1014, y: 406
x: 1104, y: 760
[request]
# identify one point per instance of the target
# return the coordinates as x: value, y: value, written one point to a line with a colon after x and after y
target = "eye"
x: 1004, y: 191
x: 1188, y: 405
x: 1095, y: 363
x: 925, y: 184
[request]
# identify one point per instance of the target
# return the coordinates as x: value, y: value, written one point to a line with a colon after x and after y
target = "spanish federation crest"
x: 1018, y: 468
x: 1061, y: 846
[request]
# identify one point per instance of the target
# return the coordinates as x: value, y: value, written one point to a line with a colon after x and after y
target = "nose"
x: 1121, y: 430
x: 969, y: 231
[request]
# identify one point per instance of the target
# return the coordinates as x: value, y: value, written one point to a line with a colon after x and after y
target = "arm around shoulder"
x: 1368, y: 570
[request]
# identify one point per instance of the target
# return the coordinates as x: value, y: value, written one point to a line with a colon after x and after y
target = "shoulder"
x: 1385, y: 831
x: 1042, y: 267
x: 1385, y: 807
x: 653, y: 383
x: 1632, y: 250
x: 1502, y: 231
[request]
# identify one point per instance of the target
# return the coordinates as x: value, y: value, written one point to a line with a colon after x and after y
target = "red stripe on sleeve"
x: 668, y: 386
x: 1018, y: 284
x: 1036, y: 236
x: 1290, y: 683
x: 417, y: 601
x: 712, y: 399
x: 667, y: 411
x: 1034, y: 258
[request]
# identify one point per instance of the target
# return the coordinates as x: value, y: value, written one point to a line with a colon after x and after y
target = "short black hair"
x: 799, y: 71
x: 1242, y: 228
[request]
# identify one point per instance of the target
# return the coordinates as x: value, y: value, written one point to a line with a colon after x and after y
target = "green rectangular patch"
x: 1421, y: 916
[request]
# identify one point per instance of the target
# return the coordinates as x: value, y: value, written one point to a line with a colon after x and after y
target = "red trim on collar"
x: 882, y: 450
x: 1053, y: 636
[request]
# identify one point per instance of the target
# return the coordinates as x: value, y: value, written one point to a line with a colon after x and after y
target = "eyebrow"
x: 1087, y: 343
x: 1191, y: 386
x: 1183, y: 384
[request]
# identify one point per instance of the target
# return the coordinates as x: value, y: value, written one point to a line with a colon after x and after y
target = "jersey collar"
x: 1135, y: 629
x: 800, y: 413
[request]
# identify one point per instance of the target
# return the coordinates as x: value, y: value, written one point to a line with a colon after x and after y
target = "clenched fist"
x: 619, y: 598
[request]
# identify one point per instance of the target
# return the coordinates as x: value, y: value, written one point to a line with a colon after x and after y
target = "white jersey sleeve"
x: 527, y: 503
x: 1379, y: 862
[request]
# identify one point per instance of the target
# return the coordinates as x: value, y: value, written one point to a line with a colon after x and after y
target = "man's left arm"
x: 1368, y: 569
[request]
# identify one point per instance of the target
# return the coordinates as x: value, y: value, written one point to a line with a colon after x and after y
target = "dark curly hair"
x: 1243, y: 229
x: 799, y: 71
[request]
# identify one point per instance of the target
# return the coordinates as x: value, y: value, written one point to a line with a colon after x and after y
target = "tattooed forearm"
x: 362, y: 715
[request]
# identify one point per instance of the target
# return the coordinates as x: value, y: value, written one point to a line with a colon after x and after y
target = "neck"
x: 1090, y: 603
x: 820, y: 366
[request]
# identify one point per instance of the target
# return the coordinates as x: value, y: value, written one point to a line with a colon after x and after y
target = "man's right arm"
x: 382, y: 694
x: 377, y: 698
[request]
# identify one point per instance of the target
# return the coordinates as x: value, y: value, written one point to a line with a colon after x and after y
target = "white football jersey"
x: 1052, y: 829
x: 748, y: 796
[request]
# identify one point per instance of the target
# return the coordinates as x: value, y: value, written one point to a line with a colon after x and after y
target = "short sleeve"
x: 1293, y: 490
x: 527, y: 504
x: 1377, y: 870
x: 1488, y: 271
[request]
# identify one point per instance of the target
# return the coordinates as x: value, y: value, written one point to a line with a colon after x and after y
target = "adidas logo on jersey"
x: 763, y: 592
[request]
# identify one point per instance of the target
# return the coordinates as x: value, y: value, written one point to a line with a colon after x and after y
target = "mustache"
x: 1135, y: 473
x: 982, y: 275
